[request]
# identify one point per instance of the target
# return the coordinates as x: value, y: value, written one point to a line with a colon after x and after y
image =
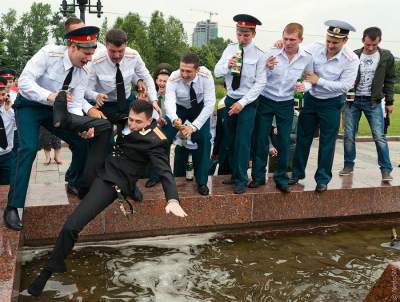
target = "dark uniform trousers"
x: 29, y: 116
x: 220, y: 149
x: 201, y: 156
x: 98, y: 145
x: 238, y: 130
x: 324, y: 113
x: 6, y: 161
x: 283, y: 112
x: 122, y: 168
x: 110, y: 110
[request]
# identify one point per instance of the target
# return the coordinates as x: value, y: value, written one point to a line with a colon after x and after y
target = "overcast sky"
x: 273, y: 14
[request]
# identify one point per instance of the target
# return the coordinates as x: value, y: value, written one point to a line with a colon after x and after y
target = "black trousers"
x: 101, y: 194
x: 98, y: 145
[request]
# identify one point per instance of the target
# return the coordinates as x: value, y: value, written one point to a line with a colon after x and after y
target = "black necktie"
x: 236, y: 78
x: 193, y: 96
x: 68, y: 79
x: 121, y: 97
x: 3, y: 135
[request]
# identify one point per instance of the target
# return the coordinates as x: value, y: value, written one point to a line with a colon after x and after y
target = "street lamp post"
x: 67, y: 8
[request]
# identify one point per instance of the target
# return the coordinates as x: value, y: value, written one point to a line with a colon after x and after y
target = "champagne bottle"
x: 298, y: 97
x: 189, y: 168
x: 235, y: 69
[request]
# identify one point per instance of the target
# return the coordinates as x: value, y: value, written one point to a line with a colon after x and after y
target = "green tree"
x: 397, y: 85
x: 167, y: 38
x: 57, y: 27
x: 136, y: 29
x: 103, y: 31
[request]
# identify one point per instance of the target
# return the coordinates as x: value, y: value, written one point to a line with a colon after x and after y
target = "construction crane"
x: 206, y: 12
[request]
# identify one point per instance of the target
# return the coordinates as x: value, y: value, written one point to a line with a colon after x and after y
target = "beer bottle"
x: 189, y: 168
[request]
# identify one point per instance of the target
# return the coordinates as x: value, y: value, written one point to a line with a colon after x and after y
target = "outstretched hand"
x: 175, y: 208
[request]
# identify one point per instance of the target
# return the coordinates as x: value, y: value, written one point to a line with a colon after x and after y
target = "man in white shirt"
x: 112, y: 73
x: 244, y: 88
x: 287, y: 67
x: 335, y: 70
x: 7, y: 126
x: 50, y: 70
x: 189, y: 103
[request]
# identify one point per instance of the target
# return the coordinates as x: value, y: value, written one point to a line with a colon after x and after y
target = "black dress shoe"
x: 293, y: 180
x: 255, y: 184
x: 72, y: 189
x: 60, y: 110
x: 228, y: 181
x: 239, y: 189
x: 283, y: 188
x: 321, y: 188
x: 203, y: 190
x: 11, y: 219
x: 151, y: 182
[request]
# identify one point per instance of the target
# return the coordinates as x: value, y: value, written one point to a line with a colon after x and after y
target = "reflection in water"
x: 331, y: 267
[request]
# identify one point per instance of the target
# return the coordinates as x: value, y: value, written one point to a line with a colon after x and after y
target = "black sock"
x: 37, y: 286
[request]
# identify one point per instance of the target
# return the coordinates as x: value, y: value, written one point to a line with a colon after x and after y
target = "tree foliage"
x: 162, y: 40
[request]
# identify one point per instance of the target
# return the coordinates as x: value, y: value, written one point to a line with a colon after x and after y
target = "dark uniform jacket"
x: 131, y: 156
x: 384, y: 78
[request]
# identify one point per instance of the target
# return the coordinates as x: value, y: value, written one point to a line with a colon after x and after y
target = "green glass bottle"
x: 235, y: 70
x: 189, y: 168
x: 298, y: 97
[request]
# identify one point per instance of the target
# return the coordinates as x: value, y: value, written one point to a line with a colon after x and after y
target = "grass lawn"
x: 394, y: 128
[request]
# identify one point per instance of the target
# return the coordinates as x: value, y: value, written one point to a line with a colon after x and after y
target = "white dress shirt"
x: 103, y: 72
x: 9, y: 125
x: 178, y: 92
x: 253, y: 77
x: 283, y: 77
x: 337, y: 75
x: 45, y: 73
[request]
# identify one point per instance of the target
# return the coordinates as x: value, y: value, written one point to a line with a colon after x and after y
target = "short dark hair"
x: 116, y: 37
x: 372, y: 33
x: 191, y: 58
x: 70, y: 21
x: 139, y: 106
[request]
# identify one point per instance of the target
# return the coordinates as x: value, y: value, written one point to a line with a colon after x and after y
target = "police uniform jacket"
x: 336, y: 75
x: 178, y: 93
x: 45, y: 73
x: 103, y: 72
x: 253, y: 76
x: 131, y: 156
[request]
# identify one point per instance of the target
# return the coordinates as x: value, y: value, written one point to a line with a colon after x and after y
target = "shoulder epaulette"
x: 99, y: 59
x: 159, y: 133
x: 259, y: 48
x: 130, y: 53
x: 204, y: 72
x: 55, y: 53
x: 175, y: 76
x: 86, y: 69
x: 349, y: 54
